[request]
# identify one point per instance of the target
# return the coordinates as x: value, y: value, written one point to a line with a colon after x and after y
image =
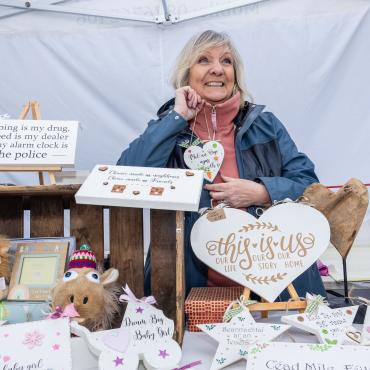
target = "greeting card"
x: 40, y: 345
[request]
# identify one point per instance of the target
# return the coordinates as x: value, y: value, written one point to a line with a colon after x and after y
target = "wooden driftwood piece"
x: 344, y: 209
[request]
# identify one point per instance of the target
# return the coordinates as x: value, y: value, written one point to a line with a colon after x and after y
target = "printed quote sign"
x: 38, y: 142
x: 331, y: 326
x: 142, y: 187
x: 304, y: 356
x: 264, y: 254
x: 237, y: 336
x: 42, y: 345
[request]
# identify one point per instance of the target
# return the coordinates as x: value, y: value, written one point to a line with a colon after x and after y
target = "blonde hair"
x: 198, y: 44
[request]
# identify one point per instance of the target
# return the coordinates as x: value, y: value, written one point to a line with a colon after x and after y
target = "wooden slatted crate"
x: 47, y: 205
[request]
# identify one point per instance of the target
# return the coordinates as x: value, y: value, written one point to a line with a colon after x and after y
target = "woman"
x: 261, y: 162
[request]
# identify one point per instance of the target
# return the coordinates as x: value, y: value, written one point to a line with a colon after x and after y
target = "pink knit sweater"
x: 220, y: 126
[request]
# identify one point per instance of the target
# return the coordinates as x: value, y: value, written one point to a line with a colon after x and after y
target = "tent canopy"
x: 305, y: 60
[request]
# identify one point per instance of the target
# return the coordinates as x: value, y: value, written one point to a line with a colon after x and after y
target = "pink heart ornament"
x: 264, y: 254
x: 6, y: 358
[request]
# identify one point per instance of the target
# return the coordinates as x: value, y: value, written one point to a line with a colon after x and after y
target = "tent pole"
x: 167, y: 15
x: 28, y: 5
x: 215, y: 9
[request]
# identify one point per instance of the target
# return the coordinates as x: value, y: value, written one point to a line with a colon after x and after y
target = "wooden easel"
x: 265, y: 307
x: 34, y: 106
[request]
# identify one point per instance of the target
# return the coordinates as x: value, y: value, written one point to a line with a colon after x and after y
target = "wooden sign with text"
x: 42, y: 345
x: 308, y: 356
x: 142, y: 187
x: 264, y: 254
x: 37, y: 143
x: 145, y: 335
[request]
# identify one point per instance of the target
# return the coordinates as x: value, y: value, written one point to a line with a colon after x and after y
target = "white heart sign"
x: 264, y: 254
x: 209, y: 158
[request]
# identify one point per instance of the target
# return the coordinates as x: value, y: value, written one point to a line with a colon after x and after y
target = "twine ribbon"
x: 241, y: 304
x: 129, y: 296
x: 362, y: 300
x: 313, y: 305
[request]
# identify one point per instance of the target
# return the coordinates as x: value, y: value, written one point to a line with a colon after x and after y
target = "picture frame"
x: 38, y: 264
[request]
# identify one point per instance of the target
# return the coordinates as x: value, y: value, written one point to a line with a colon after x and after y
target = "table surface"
x: 196, y: 346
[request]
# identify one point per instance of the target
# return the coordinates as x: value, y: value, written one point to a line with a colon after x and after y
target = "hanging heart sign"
x: 209, y: 158
x: 264, y: 254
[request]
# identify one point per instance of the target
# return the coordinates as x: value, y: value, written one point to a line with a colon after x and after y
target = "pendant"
x: 209, y: 158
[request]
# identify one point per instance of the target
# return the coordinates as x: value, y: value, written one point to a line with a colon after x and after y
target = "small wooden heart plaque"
x: 344, y: 209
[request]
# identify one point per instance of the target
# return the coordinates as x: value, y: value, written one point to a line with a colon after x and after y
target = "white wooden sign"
x: 38, y: 143
x: 40, y: 345
x: 307, y: 356
x: 142, y: 187
x: 237, y: 336
x: 331, y: 326
x: 145, y: 334
x: 264, y: 254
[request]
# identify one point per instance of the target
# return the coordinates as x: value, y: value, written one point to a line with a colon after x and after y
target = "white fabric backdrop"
x: 307, y: 61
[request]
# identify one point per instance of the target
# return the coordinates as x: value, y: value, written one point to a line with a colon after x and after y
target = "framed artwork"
x: 38, y: 264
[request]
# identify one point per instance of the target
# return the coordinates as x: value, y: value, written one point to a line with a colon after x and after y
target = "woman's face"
x: 212, y: 76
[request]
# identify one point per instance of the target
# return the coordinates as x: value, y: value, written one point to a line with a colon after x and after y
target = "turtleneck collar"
x: 219, y: 117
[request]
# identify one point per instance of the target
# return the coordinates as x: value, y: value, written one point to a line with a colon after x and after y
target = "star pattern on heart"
x: 236, y: 336
x: 331, y: 326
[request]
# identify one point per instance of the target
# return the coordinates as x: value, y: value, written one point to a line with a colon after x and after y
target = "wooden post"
x: 180, y: 277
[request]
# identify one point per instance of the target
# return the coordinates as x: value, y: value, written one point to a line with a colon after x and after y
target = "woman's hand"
x: 187, y: 102
x: 239, y: 193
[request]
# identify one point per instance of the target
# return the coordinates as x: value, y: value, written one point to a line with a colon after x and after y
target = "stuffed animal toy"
x: 92, y: 294
x: 4, y: 265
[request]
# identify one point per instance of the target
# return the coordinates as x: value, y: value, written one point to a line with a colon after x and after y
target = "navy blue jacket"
x: 264, y: 152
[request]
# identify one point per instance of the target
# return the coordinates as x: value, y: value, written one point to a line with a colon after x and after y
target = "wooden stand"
x: 265, y: 307
x: 34, y: 106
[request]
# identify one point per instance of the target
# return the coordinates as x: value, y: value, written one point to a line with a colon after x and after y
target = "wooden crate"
x: 47, y: 205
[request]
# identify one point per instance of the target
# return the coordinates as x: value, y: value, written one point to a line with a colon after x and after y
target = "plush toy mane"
x: 111, y: 311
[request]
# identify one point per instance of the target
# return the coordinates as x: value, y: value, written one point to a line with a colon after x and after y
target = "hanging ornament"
x: 209, y: 158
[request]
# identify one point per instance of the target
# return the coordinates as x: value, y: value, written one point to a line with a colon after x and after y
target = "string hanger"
x: 214, y: 125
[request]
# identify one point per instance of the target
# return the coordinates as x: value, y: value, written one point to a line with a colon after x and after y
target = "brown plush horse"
x: 93, y: 295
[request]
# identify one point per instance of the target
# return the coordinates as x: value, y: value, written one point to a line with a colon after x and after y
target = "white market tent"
x: 107, y: 65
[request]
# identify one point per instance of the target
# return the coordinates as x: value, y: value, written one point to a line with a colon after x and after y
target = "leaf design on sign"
x: 319, y: 347
x: 265, y: 279
x: 243, y: 352
x: 260, y: 226
x: 210, y: 327
x: 221, y: 360
x: 254, y: 350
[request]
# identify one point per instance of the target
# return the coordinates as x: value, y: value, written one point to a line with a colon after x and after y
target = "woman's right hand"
x: 187, y: 102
